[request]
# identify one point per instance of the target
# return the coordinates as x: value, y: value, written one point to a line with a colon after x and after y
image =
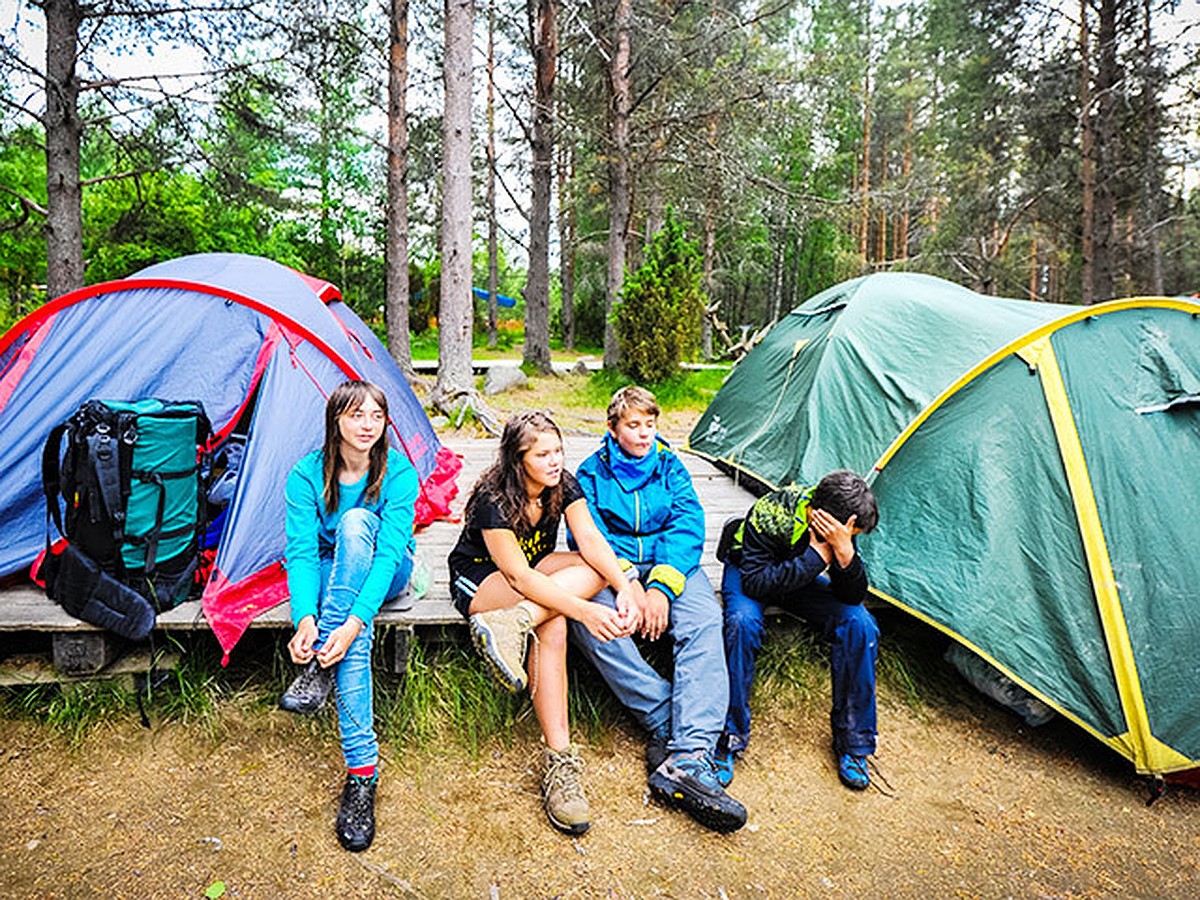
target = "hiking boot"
x: 562, y: 791
x: 309, y: 691
x: 852, y: 770
x: 356, y: 813
x: 502, y: 637
x: 656, y: 746
x: 688, y: 781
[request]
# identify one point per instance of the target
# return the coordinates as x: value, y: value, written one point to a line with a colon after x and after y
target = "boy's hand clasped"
x: 835, y: 538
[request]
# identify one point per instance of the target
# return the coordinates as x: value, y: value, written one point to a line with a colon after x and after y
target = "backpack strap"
x: 105, y: 470
x: 52, y: 477
x: 152, y: 537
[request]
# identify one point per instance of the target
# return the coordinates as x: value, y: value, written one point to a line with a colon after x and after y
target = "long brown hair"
x: 346, y: 398
x: 504, y: 481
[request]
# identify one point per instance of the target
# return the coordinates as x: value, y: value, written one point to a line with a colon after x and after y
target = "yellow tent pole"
x: 1021, y: 347
x: 1108, y: 600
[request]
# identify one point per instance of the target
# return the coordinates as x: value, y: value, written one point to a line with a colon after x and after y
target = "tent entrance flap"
x: 1166, y: 381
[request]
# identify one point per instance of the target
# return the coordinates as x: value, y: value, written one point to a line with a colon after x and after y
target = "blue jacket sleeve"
x: 302, y: 524
x: 395, y: 538
x: 680, y: 544
x: 586, y: 476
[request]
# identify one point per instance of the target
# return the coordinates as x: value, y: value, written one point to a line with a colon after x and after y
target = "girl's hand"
x: 339, y: 642
x: 605, y: 623
x: 631, y: 604
x: 301, y: 645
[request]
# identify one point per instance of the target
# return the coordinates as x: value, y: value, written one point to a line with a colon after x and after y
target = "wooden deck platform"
x: 26, y: 608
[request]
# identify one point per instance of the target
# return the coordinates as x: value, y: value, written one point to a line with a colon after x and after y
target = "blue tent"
x: 501, y: 299
x: 255, y: 342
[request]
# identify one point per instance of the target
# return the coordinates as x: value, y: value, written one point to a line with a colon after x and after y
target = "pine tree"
x: 662, y: 306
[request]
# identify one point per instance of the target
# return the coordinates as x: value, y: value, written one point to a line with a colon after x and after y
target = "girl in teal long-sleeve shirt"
x: 349, y: 548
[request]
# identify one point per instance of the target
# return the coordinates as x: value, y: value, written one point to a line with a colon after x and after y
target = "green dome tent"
x: 1037, y: 469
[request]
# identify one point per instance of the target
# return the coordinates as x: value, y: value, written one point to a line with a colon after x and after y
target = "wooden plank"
x: 24, y: 670
x: 26, y: 607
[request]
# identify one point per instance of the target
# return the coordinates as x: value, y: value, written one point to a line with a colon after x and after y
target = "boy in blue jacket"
x: 643, y: 501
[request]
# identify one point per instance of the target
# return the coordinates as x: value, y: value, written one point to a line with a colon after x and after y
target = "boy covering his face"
x: 795, y: 549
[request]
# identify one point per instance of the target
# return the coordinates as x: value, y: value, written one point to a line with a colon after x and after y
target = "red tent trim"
x: 23, y: 361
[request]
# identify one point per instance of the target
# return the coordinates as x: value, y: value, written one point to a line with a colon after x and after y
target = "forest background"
x: 408, y: 151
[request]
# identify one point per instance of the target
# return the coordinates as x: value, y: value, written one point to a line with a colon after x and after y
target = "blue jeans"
x: 694, y: 703
x: 855, y: 637
x: 342, y: 575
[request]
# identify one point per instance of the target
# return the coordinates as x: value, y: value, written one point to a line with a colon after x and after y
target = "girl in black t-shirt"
x: 508, y: 579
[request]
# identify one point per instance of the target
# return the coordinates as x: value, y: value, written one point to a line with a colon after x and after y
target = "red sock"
x: 362, y: 771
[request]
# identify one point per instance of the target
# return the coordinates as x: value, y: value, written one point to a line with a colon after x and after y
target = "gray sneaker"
x: 688, y: 781
x: 502, y: 637
x: 562, y: 790
x: 309, y: 691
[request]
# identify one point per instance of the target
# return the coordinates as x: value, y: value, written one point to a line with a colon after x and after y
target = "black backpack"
x: 132, y: 478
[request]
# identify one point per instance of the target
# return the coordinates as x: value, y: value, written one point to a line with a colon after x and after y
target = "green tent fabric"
x: 1036, y: 470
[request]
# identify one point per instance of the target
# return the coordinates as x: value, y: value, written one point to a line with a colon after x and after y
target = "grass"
x: 447, y: 698
x: 690, y: 390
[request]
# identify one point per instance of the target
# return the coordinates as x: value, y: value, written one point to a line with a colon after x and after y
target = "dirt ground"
x: 980, y: 806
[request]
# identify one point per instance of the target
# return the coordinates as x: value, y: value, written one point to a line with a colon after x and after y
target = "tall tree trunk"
x: 544, y: 42
x: 651, y: 184
x: 901, y: 249
x: 1105, y: 212
x: 881, y: 254
x: 396, y: 250
x: 618, y: 172
x: 1033, y: 264
x: 566, y: 240
x: 64, y: 193
x: 1087, y: 146
x: 864, y: 215
x: 1151, y: 171
x: 710, y: 251
x: 492, y: 241
x: 455, y: 306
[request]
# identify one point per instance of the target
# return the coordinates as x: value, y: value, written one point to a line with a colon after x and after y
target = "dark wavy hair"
x: 346, y: 398
x: 843, y: 494
x: 503, y: 483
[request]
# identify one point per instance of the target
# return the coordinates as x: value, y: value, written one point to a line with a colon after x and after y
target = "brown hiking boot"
x: 502, y: 637
x: 562, y: 790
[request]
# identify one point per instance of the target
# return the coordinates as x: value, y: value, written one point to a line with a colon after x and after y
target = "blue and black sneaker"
x: 723, y: 759
x: 688, y: 781
x: 852, y: 770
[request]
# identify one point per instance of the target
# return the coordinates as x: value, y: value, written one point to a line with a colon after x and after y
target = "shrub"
x: 662, y: 306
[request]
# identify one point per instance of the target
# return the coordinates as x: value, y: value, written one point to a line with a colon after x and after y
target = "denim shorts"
x: 465, y: 581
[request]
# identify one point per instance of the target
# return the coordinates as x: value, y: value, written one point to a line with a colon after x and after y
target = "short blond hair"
x: 631, y: 397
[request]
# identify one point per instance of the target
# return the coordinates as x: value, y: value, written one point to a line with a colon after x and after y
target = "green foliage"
x: 446, y: 696
x: 22, y: 243
x: 685, y: 390
x: 71, y: 710
x: 662, y: 306
x: 589, y: 318
x: 791, y: 667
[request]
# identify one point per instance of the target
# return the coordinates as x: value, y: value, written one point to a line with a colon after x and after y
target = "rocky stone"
x: 503, y: 378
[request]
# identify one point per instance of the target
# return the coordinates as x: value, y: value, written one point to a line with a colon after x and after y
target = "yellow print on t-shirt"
x: 533, y: 545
